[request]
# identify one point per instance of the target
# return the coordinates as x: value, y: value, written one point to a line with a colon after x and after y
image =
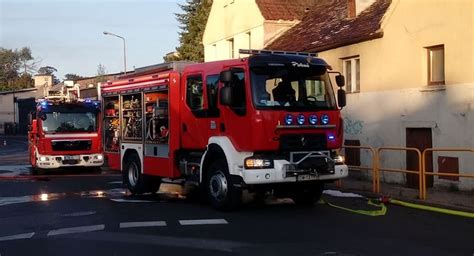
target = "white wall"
x: 380, y: 119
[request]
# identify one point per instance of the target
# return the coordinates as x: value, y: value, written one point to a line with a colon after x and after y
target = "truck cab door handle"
x: 185, y: 128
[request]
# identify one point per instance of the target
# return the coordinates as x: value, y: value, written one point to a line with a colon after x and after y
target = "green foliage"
x: 73, y: 77
x: 48, y: 70
x: 193, y: 22
x: 11, y: 61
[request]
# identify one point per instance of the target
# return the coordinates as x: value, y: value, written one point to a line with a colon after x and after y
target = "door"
x: 25, y: 106
x: 420, y: 138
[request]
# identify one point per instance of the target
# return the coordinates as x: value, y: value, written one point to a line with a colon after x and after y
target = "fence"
x: 426, y: 173
x: 376, y: 167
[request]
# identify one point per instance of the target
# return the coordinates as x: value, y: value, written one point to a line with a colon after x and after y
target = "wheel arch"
x: 222, y: 148
x: 127, y: 154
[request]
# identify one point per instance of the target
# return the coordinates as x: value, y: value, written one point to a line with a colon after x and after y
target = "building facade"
x: 409, y: 68
x: 248, y: 24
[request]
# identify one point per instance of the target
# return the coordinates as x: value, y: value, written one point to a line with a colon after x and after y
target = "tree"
x: 73, y: 77
x: 193, y: 22
x: 11, y: 62
x: 26, y: 59
x: 48, y: 70
x: 101, y: 74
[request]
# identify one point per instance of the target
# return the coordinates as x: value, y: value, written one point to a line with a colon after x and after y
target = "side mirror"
x: 340, y: 81
x: 225, y: 96
x: 341, y: 98
x: 42, y: 115
x: 225, y: 76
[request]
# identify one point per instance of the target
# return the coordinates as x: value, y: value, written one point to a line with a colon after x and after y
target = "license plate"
x: 71, y: 157
x: 305, y: 177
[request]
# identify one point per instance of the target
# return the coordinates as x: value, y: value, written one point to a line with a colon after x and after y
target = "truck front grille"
x: 67, y: 145
x: 303, y: 142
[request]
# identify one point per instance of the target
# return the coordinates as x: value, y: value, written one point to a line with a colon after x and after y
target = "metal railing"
x: 421, y: 172
x: 426, y: 173
x: 367, y: 168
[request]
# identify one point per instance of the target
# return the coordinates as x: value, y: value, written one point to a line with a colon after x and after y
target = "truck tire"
x: 132, y: 175
x: 308, y: 195
x: 221, y: 192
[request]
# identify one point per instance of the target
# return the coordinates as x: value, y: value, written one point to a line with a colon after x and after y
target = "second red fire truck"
x: 268, y: 122
x: 65, y: 132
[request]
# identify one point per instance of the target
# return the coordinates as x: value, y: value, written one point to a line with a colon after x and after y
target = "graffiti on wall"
x: 353, y: 127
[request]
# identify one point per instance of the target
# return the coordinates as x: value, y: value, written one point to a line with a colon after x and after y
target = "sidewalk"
x: 438, y: 197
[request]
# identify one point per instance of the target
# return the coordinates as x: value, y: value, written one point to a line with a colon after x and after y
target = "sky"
x: 68, y: 34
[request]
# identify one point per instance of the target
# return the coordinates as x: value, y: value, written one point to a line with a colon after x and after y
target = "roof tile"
x: 284, y: 9
x: 327, y: 26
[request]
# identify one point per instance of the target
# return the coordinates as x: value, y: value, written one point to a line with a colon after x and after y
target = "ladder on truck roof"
x: 255, y: 52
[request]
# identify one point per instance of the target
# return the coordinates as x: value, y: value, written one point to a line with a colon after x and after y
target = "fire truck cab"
x: 65, y: 131
x: 267, y: 122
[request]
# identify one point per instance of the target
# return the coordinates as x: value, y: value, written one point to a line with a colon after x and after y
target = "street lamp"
x: 124, y: 53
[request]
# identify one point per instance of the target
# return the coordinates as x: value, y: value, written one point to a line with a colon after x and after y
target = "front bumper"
x: 58, y: 161
x: 280, y: 173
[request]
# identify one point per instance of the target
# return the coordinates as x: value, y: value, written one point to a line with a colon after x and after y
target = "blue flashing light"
x: 325, y: 119
x: 301, y: 119
x: 313, y: 119
x: 44, y: 104
x: 88, y: 100
x: 289, y: 119
x: 331, y: 137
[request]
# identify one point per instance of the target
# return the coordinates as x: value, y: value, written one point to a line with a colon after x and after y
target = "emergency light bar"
x: 251, y: 51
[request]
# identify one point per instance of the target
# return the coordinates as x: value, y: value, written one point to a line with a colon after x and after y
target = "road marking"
x: 78, y: 214
x: 16, y: 237
x: 81, y: 229
x: 115, y: 182
x: 143, y: 224
x: 119, y: 200
x: 203, y: 222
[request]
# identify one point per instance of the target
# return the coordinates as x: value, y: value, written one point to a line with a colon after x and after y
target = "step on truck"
x: 267, y: 122
x: 65, y: 132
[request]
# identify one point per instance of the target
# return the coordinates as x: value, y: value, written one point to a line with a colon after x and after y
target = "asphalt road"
x: 94, y: 215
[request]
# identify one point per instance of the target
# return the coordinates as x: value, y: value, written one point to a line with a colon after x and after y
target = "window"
x: 212, y: 82
x: 231, y: 48
x: 194, y: 97
x: 351, y: 70
x: 436, y: 65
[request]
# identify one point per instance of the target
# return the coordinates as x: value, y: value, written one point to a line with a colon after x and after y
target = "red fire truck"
x: 65, y: 131
x: 267, y: 122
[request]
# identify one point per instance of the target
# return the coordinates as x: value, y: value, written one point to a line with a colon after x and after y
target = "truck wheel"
x: 132, y: 175
x: 220, y: 190
x: 308, y: 195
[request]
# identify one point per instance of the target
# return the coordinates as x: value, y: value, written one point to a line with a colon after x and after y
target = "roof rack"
x: 252, y: 51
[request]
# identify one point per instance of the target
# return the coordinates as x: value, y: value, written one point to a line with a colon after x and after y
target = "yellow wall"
x: 399, y: 59
x: 231, y: 19
x: 236, y: 21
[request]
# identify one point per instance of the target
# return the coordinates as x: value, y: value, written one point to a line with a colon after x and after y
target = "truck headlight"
x: 100, y: 157
x: 256, y: 163
x: 338, y: 159
x: 43, y: 158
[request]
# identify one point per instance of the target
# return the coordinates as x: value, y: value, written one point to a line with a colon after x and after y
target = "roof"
x: 284, y: 9
x: 327, y: 26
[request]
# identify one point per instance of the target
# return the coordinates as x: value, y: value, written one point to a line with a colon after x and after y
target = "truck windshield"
x: 292, y: 88
x: 70, y: 120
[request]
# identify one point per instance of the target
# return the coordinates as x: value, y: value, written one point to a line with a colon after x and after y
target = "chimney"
x: 351, y: 9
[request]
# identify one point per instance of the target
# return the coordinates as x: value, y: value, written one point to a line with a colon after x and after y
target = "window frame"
x: 188, y: 95
x: 429, y: 64
x: 354, y: 75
